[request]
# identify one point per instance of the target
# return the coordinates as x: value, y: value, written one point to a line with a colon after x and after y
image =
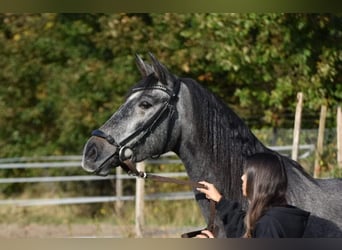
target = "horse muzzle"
x: 99, y: 156
x: 102, y: 153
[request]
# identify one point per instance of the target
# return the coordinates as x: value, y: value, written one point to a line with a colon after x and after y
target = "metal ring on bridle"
x: 125, y: 153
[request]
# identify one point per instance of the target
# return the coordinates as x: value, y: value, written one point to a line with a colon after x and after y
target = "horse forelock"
x: 148, y: 81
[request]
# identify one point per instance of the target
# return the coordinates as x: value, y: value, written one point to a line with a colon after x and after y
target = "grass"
x: 156, y: 213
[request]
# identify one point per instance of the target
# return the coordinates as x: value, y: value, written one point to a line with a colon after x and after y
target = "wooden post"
x: 297, y: 125
x: 320, y: 139
x: 118, y: 188
x: 139, y: 202
x: 339, y: 136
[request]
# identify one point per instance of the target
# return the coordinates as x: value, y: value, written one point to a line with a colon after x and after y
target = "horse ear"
x: 144, y: 68
x: 160, y: 71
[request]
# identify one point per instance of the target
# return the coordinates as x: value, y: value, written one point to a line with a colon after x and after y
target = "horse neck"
x: 215, y: 141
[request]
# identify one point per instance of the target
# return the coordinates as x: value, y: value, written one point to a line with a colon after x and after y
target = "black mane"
x: 226, y: 136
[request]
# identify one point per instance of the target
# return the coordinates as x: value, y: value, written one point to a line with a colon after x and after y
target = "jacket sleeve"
x: 232, y: 216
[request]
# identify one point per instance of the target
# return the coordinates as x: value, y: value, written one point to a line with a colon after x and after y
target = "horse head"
x: 143, y: 127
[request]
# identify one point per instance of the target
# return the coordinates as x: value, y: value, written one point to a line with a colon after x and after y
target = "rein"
x: 129, y: 167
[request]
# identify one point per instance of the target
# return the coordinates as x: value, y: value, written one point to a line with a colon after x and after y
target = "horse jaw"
x: 98, y: 157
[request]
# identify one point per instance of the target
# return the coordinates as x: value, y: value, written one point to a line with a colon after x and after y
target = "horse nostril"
x: 92, y: 153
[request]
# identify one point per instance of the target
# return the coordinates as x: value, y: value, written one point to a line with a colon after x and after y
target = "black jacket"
x: 277, y: 222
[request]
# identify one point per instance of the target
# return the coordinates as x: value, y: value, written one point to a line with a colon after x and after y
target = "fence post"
x: 297, y: 125
x: 139, y: 202
x: 118, y: 189
x: 320, y: 139
x: 339, y: 137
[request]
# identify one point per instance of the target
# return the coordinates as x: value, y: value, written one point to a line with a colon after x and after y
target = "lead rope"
x: 132, y: 170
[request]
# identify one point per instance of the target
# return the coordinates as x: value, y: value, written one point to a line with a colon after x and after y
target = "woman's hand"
x: 210, y: 191
x: 205, y: 234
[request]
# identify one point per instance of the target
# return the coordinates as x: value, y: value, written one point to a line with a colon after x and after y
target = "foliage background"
x: 62, y: 75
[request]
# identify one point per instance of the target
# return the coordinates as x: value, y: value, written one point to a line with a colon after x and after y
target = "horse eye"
x: 145, y: 105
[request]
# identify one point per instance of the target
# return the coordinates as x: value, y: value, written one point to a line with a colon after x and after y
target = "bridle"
x: 168, y: 108
x: 125, y: 152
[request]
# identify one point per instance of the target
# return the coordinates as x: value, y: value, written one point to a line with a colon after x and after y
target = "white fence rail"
x: 75, y: 161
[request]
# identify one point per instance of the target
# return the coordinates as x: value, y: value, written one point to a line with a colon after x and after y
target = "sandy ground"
x: 85, y: 231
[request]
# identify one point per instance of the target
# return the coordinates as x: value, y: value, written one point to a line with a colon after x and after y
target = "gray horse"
x: 166, y: 113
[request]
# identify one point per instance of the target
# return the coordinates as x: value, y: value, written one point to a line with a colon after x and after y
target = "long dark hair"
x: 266, y: 187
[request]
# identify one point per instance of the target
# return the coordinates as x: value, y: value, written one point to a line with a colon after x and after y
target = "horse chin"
x: 103, y: 172
x: 103, y: 168
x: 107, y: 166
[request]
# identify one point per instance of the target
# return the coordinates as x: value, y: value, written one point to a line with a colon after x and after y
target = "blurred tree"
x: 65, y: 74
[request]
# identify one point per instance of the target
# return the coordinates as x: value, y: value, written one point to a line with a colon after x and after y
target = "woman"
x: 264, y: 184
